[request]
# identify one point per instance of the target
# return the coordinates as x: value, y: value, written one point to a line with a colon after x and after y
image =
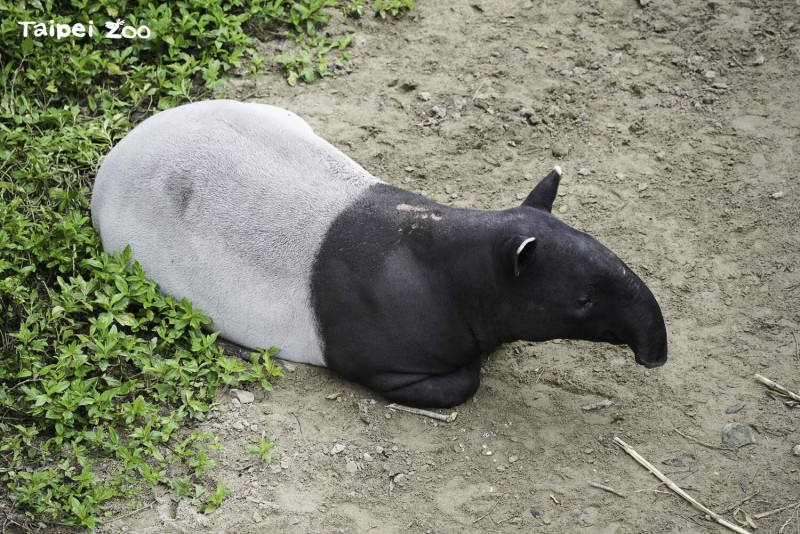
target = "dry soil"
x: 677, y: 125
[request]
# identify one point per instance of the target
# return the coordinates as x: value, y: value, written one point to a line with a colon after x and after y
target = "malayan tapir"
x: 283, y: 240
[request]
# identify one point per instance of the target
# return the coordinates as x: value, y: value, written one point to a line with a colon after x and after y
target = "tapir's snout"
x: 649, y: 344
x: 657, y: 361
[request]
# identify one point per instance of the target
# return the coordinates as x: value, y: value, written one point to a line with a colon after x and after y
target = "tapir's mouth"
x: 610, y: 337
x: 651, y: 359
x: 650, y: 365
x: 656, y: 359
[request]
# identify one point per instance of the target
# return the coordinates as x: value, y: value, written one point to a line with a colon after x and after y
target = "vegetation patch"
x: 99, y: 372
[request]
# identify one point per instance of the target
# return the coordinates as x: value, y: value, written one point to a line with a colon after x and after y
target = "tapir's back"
x: 227, y: 203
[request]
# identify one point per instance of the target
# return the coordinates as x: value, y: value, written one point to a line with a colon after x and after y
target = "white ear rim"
x: 524, y: 244
x: 557, y: 168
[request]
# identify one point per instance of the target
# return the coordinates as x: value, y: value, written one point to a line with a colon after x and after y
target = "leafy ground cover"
x: 100, y: 374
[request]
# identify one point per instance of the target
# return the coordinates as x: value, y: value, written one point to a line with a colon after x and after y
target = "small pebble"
x: 424, y: 96
x: 409, y: 169
x: 559, y: 150
x: 238, y: 425
x: 737, y: 435
x: 643, y: 186
x: 352, y: 467
x: 777, y: 194
x: 513, y: 458
x: 584, y: 172
x: 245, y: 397
x: 367, y: 457
x: 257, y: 517
x: 563, y: 209
x: 796, y: 450
x: 337, y: 449
x: 735, y: 408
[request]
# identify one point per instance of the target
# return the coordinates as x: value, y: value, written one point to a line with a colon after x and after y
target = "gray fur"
x: 228, y: 203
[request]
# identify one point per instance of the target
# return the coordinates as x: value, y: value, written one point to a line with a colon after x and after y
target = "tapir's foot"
x: 437, y: 391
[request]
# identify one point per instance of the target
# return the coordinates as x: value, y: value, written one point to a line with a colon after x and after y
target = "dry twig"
x: 610, y: 490
x: 775, y: 511
x: 605, y: 403
x: 478, y: 90
x: 487, y: 513
x: 427, y: 413
x: 123, y: 516
x: 671, y: 485
x: 777, y: 387
x: 736, y: 505
x: 702, y: 443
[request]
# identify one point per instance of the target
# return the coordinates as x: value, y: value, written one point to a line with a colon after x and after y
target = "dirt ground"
x: 677, y: 125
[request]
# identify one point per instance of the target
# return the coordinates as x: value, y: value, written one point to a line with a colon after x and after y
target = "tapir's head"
x: 557, y: 282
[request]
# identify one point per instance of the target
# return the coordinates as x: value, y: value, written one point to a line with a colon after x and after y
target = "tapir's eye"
x: 584, y: 302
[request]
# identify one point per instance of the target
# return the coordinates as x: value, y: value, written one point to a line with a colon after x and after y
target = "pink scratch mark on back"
x: 436, y: 217
x: 406, y: 207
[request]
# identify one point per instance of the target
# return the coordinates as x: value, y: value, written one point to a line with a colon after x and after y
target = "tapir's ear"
x: 519, y: 252
x: 544, y: 193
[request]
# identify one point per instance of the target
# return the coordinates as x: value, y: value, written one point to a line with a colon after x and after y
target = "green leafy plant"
x: 263, y: 450
x: 96, y: 365
x: 302, y: 23
x: 94, y: 361
x: 393, y: 7
x: 312, y: 60
x: 354, y: 8
x: 215, y: 499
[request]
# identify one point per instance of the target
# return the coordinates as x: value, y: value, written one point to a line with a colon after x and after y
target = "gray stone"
x: 337, y: 449
x: 245, y: 397
x: 439, y: 112
x: 737, y: 435
x: 559, y: 150
x: 796, y: 450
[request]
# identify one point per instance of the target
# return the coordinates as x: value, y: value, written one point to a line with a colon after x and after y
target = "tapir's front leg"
x: 431, y: 391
